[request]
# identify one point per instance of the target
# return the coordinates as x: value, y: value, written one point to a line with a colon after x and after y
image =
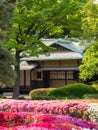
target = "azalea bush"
x: 93, y: 110
x: 19, y: 121
x: 72, y: 108
x: 8, y: 119
x: 48, y: 115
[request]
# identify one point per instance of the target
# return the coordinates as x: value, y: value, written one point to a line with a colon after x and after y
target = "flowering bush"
x: 19, y: 121
x: 93, y: 112
x: 48, y: 115
x: 8, y: 119
x: 72, y: 108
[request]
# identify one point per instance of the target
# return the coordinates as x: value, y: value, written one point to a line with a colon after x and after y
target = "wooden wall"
x: 59, y: 63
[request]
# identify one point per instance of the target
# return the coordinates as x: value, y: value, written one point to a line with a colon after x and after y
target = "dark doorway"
x: 46, y: 77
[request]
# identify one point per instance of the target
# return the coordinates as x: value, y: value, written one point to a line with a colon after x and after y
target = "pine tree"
x: 6, y: 12
x: 7, y: 74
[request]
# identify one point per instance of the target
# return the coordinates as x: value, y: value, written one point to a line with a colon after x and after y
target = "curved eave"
x: 56, y: 56
x: 58, y: 68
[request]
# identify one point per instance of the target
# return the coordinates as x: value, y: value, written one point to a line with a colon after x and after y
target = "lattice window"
x: 69, y: 75
x: 57, y: 75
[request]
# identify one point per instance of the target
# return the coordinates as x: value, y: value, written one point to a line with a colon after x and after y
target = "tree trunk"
x: 16, y: 89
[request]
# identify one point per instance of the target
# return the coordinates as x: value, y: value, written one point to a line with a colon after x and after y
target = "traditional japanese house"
x: 52, y: 69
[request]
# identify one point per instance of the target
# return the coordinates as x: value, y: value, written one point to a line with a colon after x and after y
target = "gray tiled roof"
x: 66, y: 44
x: 56, y: 56
x: 75, y: 53
x: 62, y: 42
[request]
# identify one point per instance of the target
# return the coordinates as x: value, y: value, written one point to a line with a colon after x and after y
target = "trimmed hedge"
x: 58, y: 92
x: 73, y: 91
x: 41, y: 92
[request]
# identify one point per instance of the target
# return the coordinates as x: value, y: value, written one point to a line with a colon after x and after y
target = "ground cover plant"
x: 48, y: 115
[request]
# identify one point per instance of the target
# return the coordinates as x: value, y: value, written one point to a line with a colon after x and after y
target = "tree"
x: 32, y: 21
x: 74, y: 21
x: 7, y: 74
x: 6, y: 9
x: 89, y: 66
x: 69, y: 15
x: 35, y: 19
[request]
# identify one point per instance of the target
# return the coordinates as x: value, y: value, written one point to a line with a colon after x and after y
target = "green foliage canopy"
x: 90, y: 20
x: 89, y: 68
x: 35, y: 19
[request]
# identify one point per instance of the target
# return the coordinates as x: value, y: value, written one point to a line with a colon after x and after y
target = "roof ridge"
x: 67, y: 44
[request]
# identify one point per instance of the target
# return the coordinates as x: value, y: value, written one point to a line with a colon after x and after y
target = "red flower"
x: 4, y: 124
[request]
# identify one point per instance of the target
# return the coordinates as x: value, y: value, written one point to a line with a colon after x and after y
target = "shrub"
x: 78, y: 90
x: 73, y: 90
x: 39, y: 92
x: 95, y: 85
x: 93, y: 112
x: 21, y: 98
x: 90, y: 96
x: 2, y: 97
x: 48, y: 98
x: 41, y: 97
x: 58, y: 92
